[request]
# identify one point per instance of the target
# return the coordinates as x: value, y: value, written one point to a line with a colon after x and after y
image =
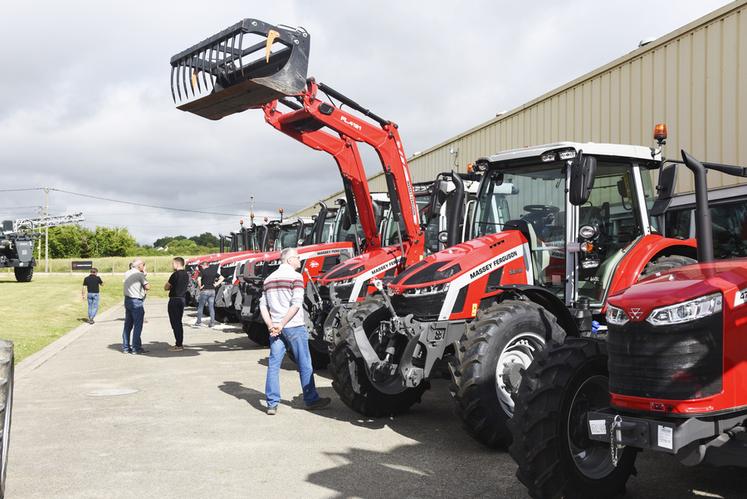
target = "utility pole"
x: 46, y: 230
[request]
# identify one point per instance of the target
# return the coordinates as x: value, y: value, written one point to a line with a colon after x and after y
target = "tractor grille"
x: 677, y: 362
x: 423, y: 307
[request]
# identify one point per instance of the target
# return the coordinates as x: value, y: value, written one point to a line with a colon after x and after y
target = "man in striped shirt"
x: 281, y: 306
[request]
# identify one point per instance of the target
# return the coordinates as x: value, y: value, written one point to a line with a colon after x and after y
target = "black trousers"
x: 176, y: 311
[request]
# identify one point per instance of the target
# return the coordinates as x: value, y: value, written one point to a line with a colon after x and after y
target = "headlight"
x: 428, y: 290
x: 616, y: 316
x: 687, y: 311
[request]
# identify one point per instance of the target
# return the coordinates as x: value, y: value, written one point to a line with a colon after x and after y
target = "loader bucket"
x: 242, y: 67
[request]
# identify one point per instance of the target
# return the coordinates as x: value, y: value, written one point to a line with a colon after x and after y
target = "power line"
x: 145, y: 205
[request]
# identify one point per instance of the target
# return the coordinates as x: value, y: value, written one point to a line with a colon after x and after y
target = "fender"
x: 544, y: 299
x: 632, y: 264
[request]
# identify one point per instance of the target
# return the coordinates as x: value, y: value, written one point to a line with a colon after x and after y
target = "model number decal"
x: 740, y: 298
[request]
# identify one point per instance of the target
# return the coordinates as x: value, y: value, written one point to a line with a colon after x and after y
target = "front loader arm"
x: 346, y: 154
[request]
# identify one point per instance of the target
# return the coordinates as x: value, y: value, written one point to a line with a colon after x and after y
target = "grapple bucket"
x: 242, y: 67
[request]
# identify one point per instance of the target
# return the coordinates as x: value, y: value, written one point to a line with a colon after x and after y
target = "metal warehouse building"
x: 694, y: 79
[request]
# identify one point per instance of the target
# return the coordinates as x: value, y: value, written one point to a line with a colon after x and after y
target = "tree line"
x: 72, y: 241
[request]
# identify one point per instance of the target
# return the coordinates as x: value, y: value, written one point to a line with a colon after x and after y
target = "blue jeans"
x: 209, y: 297
x: 134, y: 315
x: 298, y: 340
x: 93, y: 305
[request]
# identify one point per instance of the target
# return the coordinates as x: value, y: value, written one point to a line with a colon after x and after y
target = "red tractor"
x: 224, y: 76
x: 556, y: 230
x: 668, y: 376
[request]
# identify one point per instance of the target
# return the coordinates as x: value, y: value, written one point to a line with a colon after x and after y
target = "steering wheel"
x: 541, y: 208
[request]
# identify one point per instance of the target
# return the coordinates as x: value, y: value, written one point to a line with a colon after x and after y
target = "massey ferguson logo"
x: 351, y: 123
x: 314, y: 264
x: 635, y: 313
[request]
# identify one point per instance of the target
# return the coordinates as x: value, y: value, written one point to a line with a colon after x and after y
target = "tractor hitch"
x: 245, y: 66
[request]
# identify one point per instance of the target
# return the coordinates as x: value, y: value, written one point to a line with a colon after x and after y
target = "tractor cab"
x: 574, y: 244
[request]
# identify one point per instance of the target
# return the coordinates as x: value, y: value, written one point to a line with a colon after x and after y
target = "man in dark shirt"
x: 207, y: 281
x: 91, y: 285
x: 177, y: 288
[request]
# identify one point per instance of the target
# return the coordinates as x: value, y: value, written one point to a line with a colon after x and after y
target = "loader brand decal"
x: 361, y: 279
x: 474, y: 274
x: 351, y: 123
x: 410, y: 190
x: 740, y: 298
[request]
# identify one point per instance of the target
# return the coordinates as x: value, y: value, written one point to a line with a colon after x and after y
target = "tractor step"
x: 245, y: 66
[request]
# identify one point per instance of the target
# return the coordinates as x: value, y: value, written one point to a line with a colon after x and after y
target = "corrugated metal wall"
x: 694, y: 79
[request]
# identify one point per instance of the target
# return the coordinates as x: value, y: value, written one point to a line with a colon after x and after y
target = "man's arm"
x: 83, y: 291
x: 220, y: 280
x: 296, y: 302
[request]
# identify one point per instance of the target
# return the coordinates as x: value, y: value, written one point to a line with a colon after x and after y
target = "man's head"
x: 94, y: 271
x: 290, y: 256
x: 177, y: 263
x: 204, y: 265
x: 139, y: 264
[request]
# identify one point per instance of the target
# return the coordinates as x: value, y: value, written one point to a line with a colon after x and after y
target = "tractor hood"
x: 372, y: 262
x: 470, y: 260
x: 685, y: 283
x: 271, y: 259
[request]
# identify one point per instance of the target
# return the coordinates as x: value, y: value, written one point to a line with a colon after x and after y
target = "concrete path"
x: 92, y: 422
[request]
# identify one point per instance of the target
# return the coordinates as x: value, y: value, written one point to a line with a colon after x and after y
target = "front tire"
x: 257, y: 332
x: 23, y: 274
x: 349, y: 376
x: 550, y: 441
x: 493, y: 352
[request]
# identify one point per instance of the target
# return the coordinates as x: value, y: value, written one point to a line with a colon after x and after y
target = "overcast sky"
x: 85, y: 101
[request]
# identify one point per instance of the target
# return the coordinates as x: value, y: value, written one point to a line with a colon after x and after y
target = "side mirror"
x: 583, y: 171
x: 664, y: 189
x: 438, y: 196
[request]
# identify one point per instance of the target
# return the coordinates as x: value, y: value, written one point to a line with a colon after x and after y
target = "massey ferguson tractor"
x: 17, y: 252
x: 574, y: 228
x: 667, y: 376
x: 256, y: 65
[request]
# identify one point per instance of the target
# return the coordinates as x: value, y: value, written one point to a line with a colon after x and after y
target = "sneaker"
x: 197, y: 324
x: 176, y: 348
x: 126, y: 350
x: 139, y: 352
x: 90, y: 321
x: 271, y: 411
x: 319, y: 403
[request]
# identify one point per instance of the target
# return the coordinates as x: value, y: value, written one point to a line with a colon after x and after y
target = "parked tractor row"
x: 575, y: 327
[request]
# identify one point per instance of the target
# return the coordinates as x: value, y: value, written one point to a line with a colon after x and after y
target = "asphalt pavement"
x: 92, y: 422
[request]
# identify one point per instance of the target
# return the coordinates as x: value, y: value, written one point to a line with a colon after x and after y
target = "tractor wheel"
x: 664, y: 263
x: 6, y: 406
x: 24, y: 274
x: 257, y: 332
x: 556, y: 458
x: 497, y: 346
x: 221, y: 314
x: 349, y: 377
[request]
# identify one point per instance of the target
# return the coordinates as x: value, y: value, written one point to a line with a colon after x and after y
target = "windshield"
x: 534, y: 193
x: 329, y: 226
x: 287, y: 237
x: 344, y: 231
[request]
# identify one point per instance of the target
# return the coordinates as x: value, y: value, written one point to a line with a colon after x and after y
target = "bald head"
x: 290, y: 256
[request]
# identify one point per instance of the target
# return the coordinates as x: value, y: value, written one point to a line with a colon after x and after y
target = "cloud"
x: 85, y: 103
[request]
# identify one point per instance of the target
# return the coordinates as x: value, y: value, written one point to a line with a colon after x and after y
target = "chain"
x: 615, y: 447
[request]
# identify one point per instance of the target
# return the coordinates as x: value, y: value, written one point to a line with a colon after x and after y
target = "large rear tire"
x: 494, y: 351
x: 6, y: 406
x: 257, y: 332
x: 23, y: 274
x: 550, y: 441
x: 349, y: 377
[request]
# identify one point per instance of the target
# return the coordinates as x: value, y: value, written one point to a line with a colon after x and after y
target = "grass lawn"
x: 36, y: 313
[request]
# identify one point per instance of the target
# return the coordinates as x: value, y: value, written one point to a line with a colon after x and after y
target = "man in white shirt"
x: 135, y: 288
x: 281, y: 306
